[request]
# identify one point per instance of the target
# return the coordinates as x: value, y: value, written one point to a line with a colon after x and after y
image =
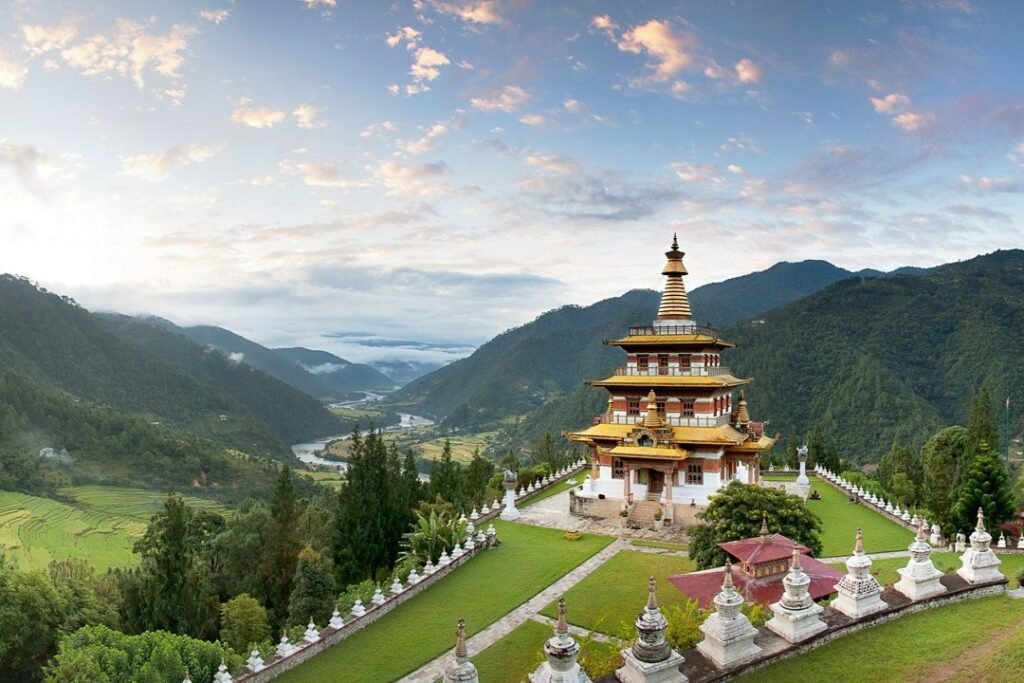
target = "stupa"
x: 461, y: 670
x: 728, y: 633
x: 859, y: 592
x: 651, y: 659
x: 920, y: 579
x: 979, y: 563
x: 562, y: 652
x: 796, y: 614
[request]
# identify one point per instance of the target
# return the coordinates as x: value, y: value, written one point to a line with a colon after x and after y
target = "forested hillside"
x: 337, y: 374
x: 528, y: 365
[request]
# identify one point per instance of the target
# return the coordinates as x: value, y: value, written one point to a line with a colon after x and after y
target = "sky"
x: 321, y: 172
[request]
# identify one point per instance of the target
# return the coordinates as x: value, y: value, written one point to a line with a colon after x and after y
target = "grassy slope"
x: 529, y: 559
x: 617, y: 591
x: 100, y: 527
x: 978, y: 640
x: 515, y: 655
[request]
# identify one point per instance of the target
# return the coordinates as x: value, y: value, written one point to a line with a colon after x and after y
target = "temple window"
x: 641, y: 361
x: 618, y: 470
x: 684, y: 361
x: 645, y: 440
x: 661, y: 405
x: 633, y: 406
x: 687, y: 407
x: 695, y: 473
x: 662, y: 363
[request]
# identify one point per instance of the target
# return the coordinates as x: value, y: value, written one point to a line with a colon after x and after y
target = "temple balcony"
x: 673, y: 420
x: 655, y: 371
x: 681, y: 328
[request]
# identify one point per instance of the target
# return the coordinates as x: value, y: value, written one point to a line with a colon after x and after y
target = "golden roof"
x: 652, y: 418
x: 670, y: 381
x: 722, y: 435
x: 669, y: 339
x: 651, y: 452
x: 674, y: 303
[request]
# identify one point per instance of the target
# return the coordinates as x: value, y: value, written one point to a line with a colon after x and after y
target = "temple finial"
x: 653, y: 417
x: 795, y: 564
x: 727, y: 583
x: 652, y: 598
x: 764, y: 529
x: 562, y: 627
x: 675, y: 305
x: 922, y: 534
x: 675, y: 242
x: 858, y: 548
x: 461, y: 652
x: 981, y: 519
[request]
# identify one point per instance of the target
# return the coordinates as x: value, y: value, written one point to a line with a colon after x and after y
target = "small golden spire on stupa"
x: 742, y: 416
x: 765, y: 536
x: 652, y: 598
x: 675, y: 305
x: 653, y: 418
x: 461, y: 653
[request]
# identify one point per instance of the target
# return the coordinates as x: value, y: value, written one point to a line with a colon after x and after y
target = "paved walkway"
x: 434, y: 670
x: 553, y: 512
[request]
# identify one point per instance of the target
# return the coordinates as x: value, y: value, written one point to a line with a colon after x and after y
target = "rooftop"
x: 762, y: 549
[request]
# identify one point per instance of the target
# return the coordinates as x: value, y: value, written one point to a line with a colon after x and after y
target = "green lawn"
x: 557, y: 488
x: 486, y: 588
x: 617, y: 591
x: 977, y: 641
x: 510, y: 659
x: 663, y: 545
x: 840, y: 520
x: 885, y: 570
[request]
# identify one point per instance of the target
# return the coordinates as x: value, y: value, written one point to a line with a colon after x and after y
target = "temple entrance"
x: 655, y: 482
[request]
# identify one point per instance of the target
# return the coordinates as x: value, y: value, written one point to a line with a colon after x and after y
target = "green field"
x: 510, y: 659
x: 663, y: 545
x: 100, y: 525
x: 617, y: 591
x: 547, y: 493
x: 978, y: 641
x: 488, y: 587
x: 840, y: 520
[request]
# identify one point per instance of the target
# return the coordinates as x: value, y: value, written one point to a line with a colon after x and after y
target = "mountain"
x: 292, y: 416
x: 337, y: 374
x: 888, y: 359
x: 242, y: 350
x: 52, y: 341
x: 522, y: 368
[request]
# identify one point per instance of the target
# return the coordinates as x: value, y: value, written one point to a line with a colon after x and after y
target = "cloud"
x: 506, y: 99
x: 604, y: 23
x: 552, y: 162
x: 257, y: 117
x: 574, y: 106
x: 912, y: 122
x: 217, y: 16
x: 378, y: 129
x: 736, y: 169
x: 893, y: 102
x: 697, y: 173
x: 471, y: 11
x: 313, y: 4
x: 156, y: 166
x: 440, y: 284
x: 748, y: 72
x: 320, y: 174
x: 977, y: 211
x: 130, y: 50
x: 305, y: 116
x: 34, y: 167
x: 12, y: 72
x: 236, y: 357
x: 668, y: 50
x: 412, y: 179
x: 405, y: 34
x: 600, y: 197
x: 428, y: 142
x: 532, y: 119
x: 848, y: 168
x: 740, y: 143
x: 986, y: 184
x: 42, y: 39
x: 426, y: 65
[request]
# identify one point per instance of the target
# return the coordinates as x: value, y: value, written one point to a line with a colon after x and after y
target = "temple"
x: 674, y: 431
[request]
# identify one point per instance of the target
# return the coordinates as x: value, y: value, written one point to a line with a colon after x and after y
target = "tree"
x: 736, y: 512
x: 985, y: 486
x: 241, y: 547
x: 30, y: 621
x: 243, y: 623
x: 942, y: 457
x: 477, y: 475
x: 314, y: 593
x: 981, y: 423
x: 446, y: 477
x: 900, y: 473
x: 433, y: 533
x: 282, y: 551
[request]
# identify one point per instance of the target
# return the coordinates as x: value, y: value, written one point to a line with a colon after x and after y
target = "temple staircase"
x: 641, y: 515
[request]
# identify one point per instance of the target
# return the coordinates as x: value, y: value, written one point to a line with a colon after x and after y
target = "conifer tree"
x: 985, y: 486
x: 942, y: 457
x: 981, y: 423
x: 477, y: 474
x: 313, y: 595
x: 446, y: 478
x: 281, y: 555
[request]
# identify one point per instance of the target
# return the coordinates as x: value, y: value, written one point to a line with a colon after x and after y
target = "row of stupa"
x: 728, y: 634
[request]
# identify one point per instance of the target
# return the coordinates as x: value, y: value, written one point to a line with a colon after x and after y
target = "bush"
x: 243, y: 623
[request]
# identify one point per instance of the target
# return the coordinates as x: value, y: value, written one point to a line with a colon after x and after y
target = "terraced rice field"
x: 101, y: 526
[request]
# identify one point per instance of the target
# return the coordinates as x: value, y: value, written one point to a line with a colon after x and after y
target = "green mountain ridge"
x: 337, y: 374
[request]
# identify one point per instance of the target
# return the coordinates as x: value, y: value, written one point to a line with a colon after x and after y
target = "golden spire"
x: 795, y: 564
x: 765, y: 537
x: 461, y: 653
x: 562, y: 626
x: 674, y: 303
x: 981, y: 520
x: 742, y: 417
x: 652, y: 418
x: 727, y: 583
x: 652, y: 599
x: 858, y: 548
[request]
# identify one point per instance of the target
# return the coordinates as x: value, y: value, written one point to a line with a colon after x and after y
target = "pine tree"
x: 981, y: 424
x: 985, y: 486
x: 901, y: 474
x: 446, y: 478
x: 314, y: 594
x: 477, y: 474
x: 942, y: 458
x: 281, y: 555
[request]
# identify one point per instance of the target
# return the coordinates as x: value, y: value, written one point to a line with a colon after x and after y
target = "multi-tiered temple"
x: 674, y: 431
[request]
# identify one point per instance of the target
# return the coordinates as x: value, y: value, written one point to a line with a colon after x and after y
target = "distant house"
x: 47, y: 452
x: 757, y: 321
x: 222, y: 418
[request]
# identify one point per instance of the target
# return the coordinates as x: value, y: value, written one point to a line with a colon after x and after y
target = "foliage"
x: 97, y: 654
x: 277, y: 572
x: 432, y: 535
x: 942, y: 458
x: 475, y: 481
x: 865, y: 482
x: 901, y: 473
x: 358, y: 591
x: 446, y: 478
x: 736, y: 512
x: 981, y: 424
x: 985, y: 486
x: 243, y: 623
x: 313, y: 595
x: 374, y: 509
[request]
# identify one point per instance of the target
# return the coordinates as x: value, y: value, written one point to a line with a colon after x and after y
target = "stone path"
x: 434, y: 670
x: 575, y: 630
x: 658, y: 551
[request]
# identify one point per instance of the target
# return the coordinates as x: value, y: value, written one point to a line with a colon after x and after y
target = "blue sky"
x: 442, y: 171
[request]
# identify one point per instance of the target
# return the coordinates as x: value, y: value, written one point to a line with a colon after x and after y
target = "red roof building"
x: 762, y: 562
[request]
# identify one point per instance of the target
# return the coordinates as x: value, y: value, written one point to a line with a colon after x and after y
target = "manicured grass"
x: 101, y: 525
x: 977, y: 640
x: 885, y: 570
x: 840, y: 520
x: 485, y: 589
x: 664, y: 545
x: 557, y: 488
x: 513, y: 657
x: 617, y: 591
